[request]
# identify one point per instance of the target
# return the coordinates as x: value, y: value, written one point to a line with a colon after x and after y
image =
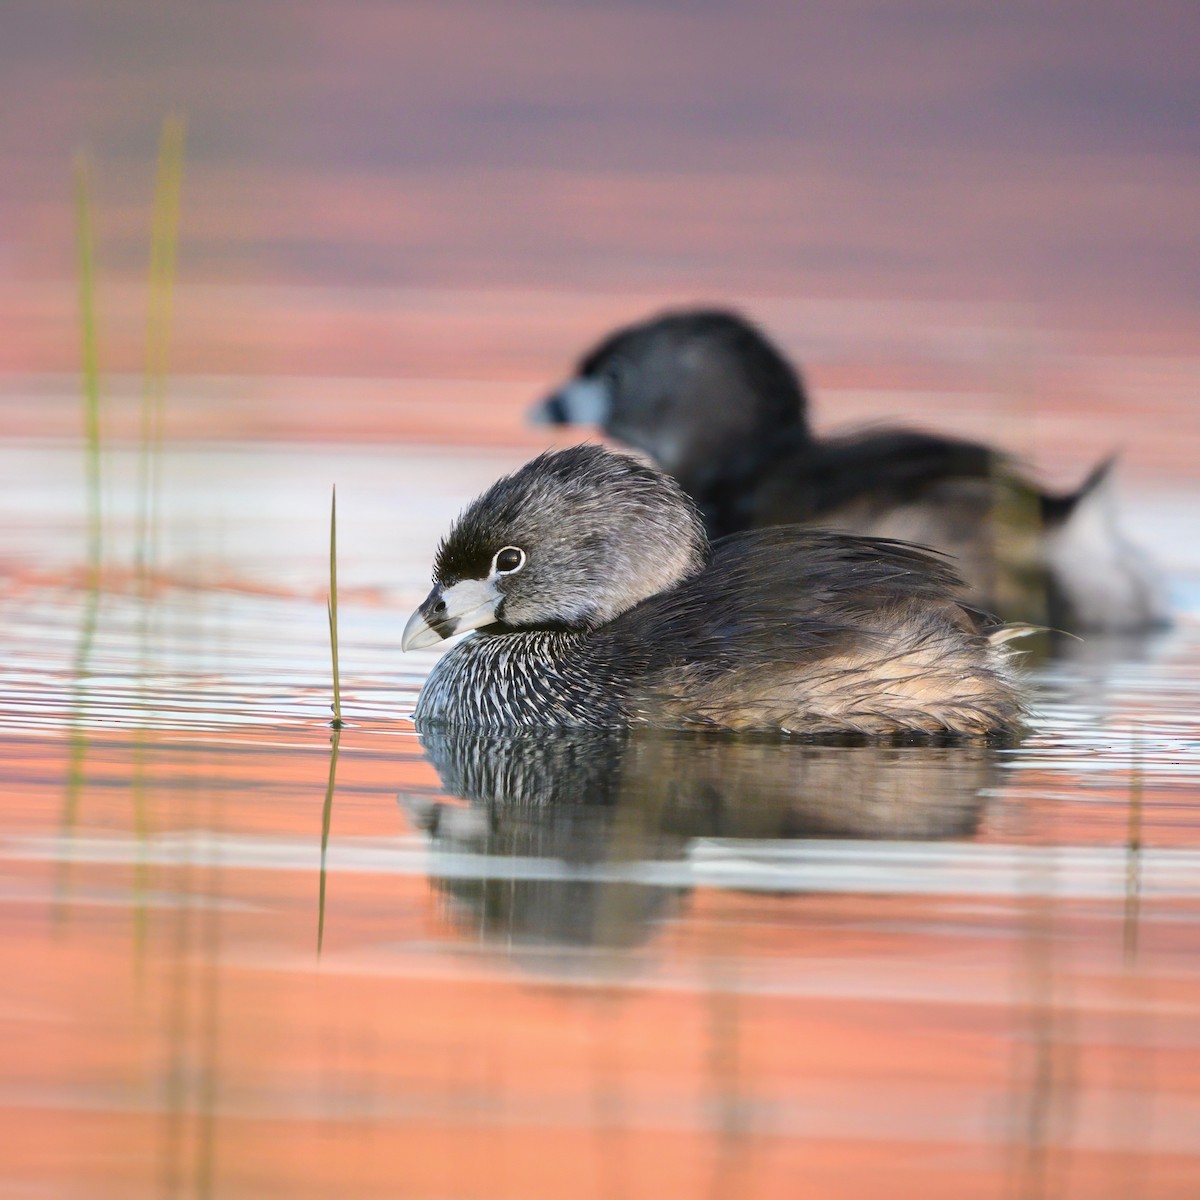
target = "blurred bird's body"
x: 713, y: 403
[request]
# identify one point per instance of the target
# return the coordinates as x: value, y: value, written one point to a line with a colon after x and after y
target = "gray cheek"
x: 572, y: 599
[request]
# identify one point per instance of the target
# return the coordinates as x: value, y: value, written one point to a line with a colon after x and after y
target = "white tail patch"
x: 1107, y: 581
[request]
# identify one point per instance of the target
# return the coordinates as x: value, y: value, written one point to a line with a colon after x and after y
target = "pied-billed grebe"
x: 715, y: 404
x: 600, y: 603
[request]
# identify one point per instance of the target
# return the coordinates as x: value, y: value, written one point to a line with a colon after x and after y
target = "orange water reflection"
x: 176, y: 1032
x: 401, y: 223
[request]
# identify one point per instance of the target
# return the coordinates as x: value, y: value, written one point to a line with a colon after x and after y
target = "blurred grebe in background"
x: 708, y: 397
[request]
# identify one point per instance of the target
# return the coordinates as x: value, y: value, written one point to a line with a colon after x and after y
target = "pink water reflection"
x: 402, y: 222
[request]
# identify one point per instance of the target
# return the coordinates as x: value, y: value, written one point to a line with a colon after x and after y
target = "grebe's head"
x: 683, y: 387
x: 570, y: 541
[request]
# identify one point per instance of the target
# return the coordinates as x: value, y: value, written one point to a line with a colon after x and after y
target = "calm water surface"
x: 251, y: 958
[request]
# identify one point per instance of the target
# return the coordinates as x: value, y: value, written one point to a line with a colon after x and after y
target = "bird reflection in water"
x: 581, y: 824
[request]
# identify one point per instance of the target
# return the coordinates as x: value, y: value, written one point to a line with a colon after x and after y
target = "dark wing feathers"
x: 811, y: 568
x: 789, y: 477
x: 780, y: 594
x: 888, y: 466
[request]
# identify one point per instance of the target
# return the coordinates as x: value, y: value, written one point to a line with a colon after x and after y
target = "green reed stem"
x: 164, y: 237
x: 77, y: 739
x: 164, y: 242
x: 90, y: 370
x: 85, y: 249
x: 331, y: 606
x: 327, y: 813
x: 326, y: 821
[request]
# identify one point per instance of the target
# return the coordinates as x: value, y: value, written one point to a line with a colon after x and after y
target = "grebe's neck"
x: 523, y: 678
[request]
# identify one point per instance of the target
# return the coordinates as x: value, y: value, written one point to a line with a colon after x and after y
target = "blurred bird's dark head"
x: 684, y: 388
x: 569, y: 541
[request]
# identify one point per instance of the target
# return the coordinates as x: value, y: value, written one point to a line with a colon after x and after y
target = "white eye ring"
x: 497, y: 569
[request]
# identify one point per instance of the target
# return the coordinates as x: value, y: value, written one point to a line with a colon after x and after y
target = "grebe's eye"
x: 508, y: 561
